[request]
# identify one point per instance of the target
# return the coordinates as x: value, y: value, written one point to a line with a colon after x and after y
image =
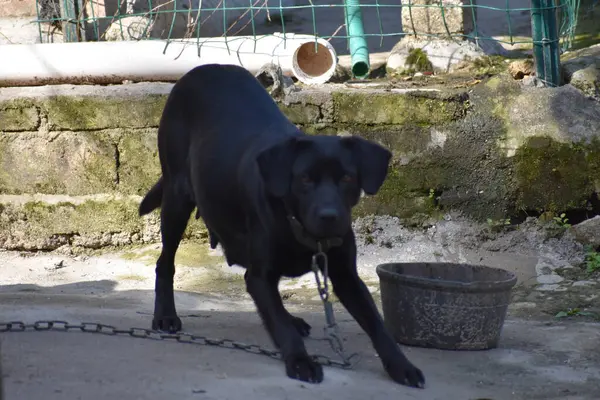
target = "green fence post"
x: 544, y: 30
x: 70, y: 20
x: 552, y: 51
x: 359, y: 52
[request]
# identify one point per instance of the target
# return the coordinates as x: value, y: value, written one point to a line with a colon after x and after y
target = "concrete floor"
x: 536, y: 360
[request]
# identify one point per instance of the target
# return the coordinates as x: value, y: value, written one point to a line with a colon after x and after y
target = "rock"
x: 581, y: 69
x: 129, y: 28
x: 546, y: 267
x: 521, y: 68
x: 584, y: 283
x: 532, y: 81
x: 341, y: 74
x: 56, y: 266
x: 588, y: 81
x: 580, y: 59
x: 588, y: 231
x: 271, y: 75
x: 550, y: 279
x: 551, y: 288
x: 444, y: 55
x: 523, y: 305
x: 552, y: 125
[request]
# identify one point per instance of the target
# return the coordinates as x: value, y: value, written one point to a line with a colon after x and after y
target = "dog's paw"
x: 301, y: 326
x: 304, y: 369
x: 407, y: 374
x: 169, y: 324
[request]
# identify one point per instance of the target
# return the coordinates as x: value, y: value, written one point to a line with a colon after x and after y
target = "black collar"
x: 304, y: 238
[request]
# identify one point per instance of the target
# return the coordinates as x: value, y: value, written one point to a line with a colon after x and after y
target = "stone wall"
x: 74, y: 160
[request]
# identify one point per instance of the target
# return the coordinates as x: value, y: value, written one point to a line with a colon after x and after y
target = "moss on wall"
x: 138, y: 163
x: 18, y: 115
x: 419, y: 108
x: 489, y: 154
x: 39, y: 225
x: 90, y: 113
x: 553, y: 176
x: 401, y: 197
x: 301, y: 113
x: 14, y: 119
x: 74, y: 163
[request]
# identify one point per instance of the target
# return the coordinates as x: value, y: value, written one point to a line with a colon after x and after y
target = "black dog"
x: 268, y: 194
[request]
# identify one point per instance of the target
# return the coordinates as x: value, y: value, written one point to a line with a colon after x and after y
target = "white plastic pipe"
x: 153, y: 60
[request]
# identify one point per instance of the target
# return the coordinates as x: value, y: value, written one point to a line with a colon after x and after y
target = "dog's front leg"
x: 285, y: 335
x: 355, y: 297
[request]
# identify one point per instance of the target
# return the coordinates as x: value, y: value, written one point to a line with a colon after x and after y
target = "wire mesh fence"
x: 384, y: 21
x: 357, y: 26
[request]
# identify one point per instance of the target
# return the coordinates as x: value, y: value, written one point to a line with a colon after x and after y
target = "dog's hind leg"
x: 212, y: 238
x: 175, y: 212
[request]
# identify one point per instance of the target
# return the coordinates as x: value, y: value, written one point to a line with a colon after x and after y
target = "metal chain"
x: 331, y: 327
x: 142, y: 333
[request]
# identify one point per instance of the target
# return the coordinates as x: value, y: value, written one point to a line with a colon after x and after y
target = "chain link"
x: 331, y: 326
x: 142, y: 333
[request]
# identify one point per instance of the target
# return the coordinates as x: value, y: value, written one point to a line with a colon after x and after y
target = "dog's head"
x: 321, y: 178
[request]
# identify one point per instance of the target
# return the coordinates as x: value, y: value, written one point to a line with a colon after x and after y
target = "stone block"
x: 18, y: 117
x: 301, y: 113
x: 420, y: 108
x: 79, y: 113
x: 46, y: 222
x: 61, y: 163
x: 441, y: 17
x: 139, y: 166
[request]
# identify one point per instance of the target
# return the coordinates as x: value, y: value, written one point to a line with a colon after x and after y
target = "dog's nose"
x: 329, y: 215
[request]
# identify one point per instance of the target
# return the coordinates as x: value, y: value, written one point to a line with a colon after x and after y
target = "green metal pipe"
x: 552, y: 49
x: 545, y: 41
x: 359, y: 52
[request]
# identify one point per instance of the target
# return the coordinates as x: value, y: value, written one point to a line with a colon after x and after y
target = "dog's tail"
x: 153, y: 199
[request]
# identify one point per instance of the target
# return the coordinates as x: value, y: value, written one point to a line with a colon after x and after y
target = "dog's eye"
x: 347, y: 178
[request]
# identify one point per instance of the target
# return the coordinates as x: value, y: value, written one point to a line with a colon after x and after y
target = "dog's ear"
x: 372, y: 162
x: 275, y: 166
